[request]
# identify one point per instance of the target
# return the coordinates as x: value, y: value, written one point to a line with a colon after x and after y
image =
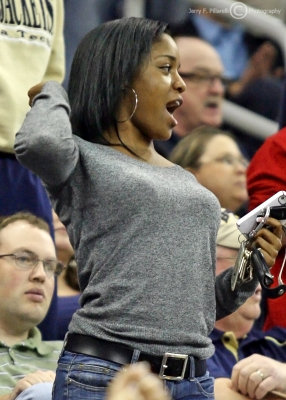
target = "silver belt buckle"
x: 164, y: 365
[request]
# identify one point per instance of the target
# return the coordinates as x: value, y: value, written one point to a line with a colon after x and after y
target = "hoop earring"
x: 135, y: 105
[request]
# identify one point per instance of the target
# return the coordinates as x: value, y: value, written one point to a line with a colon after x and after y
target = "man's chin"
x: 216, y: 122
x: 34, y: 318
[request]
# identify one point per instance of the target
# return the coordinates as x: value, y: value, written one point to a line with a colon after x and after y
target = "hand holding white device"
x: 277, y: 209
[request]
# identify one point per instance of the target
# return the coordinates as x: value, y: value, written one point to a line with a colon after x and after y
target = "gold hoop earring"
x: 135, y: 105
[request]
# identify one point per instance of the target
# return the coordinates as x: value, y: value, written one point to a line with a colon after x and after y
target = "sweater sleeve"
x: 44, y: 143
x: 227, y: 301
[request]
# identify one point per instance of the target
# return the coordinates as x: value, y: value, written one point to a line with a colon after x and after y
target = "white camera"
x: 277, y: 209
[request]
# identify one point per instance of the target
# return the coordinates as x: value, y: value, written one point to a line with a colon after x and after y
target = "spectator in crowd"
x: 252, y: 64
x: 28, y: 264
x: 125, y: 206
x: 215, y: 159
x: 235, y: 337
x: 265, y: 177
x: 68, y: 288
x: 203, y: 73
x: 32, y: 51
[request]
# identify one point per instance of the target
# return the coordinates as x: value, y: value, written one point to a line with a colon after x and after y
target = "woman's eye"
x: 166, y: 68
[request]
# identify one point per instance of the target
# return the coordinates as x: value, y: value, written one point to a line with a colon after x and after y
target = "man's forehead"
x: 21, y: 232
x: 15, y: 226
x: 196, y: 52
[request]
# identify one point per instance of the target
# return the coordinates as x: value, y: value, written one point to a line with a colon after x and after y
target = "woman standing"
x: 143, y: 229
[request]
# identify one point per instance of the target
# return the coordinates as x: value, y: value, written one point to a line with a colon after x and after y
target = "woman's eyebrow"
x: 173, y: 58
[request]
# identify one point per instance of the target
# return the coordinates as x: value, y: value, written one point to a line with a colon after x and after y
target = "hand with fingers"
x: 257, y: 375
x: 136, y: 381
x: 269, y: 240
x: 34, y: 91
x: 30, y: 380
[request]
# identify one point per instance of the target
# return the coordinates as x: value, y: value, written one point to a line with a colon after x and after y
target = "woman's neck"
x: 136, y: 147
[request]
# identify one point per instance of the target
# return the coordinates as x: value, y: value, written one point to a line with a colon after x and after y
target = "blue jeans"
x: 86, y: 378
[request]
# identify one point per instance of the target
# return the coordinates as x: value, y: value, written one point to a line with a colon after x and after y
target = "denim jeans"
x: 86, y: 378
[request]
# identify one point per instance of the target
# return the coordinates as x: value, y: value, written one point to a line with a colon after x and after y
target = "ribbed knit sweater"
x: 144, y: 237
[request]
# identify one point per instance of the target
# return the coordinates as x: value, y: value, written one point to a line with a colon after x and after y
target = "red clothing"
x: 266, y: 175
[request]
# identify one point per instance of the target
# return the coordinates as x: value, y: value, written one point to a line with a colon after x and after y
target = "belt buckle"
x: 164, y: 365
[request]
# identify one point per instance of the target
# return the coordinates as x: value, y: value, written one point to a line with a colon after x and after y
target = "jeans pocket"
x: 89, y: 378
x: 83, y: 378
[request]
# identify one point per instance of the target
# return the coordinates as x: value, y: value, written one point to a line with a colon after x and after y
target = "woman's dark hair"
x: 189, y: 150
x: 106, y: 61
x: 70, y: 276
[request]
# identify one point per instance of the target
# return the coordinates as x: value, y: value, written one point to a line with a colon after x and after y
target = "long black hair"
x: 106, y: 61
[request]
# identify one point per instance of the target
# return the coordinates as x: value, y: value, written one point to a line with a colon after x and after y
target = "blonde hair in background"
x: 189, y: 150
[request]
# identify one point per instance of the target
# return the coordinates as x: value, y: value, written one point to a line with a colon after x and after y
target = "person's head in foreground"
x: 124, y: 84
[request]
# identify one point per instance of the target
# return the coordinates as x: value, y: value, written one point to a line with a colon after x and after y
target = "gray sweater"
x: 144, y: 237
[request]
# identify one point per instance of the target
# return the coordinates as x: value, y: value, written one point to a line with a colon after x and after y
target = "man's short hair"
x: 24, y: 216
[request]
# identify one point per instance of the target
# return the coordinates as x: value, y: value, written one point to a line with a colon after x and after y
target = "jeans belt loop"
x: 135, y: 356
x: 192, y: 367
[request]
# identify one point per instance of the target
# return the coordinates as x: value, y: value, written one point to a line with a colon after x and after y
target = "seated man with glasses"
x: 28, y: 266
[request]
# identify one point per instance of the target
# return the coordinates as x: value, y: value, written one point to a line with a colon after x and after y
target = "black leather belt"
x: 170, y: 366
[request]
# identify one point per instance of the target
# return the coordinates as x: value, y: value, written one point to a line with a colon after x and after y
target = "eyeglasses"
x: 204, y: 78
x: 232, y: 161
x: 27, y: 260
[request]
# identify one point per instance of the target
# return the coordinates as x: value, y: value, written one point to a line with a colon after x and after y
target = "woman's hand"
x: 269, y: 240
x: 34, y: 91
